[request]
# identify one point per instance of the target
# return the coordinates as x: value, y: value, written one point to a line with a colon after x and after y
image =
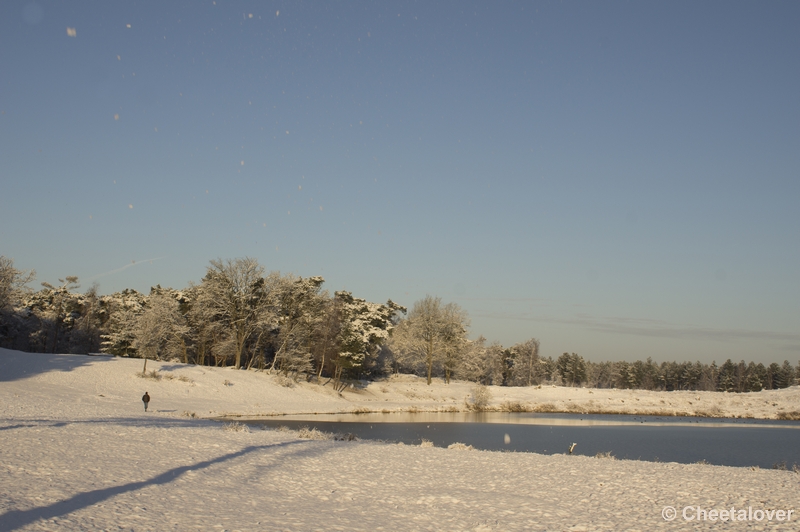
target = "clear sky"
x: 617, y: 179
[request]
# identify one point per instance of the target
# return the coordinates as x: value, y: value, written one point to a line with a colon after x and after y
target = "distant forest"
x: 242, y: 316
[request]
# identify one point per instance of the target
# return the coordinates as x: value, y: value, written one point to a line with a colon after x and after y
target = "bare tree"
x: 12, y: 290
x: 12, y: 282
x: 526, y: 369
x: 431, y: 331
x: 159, y: 330
x: 472, y: 365
x: 454, y: 339
x: 236, y: 294
x: 496, y: 364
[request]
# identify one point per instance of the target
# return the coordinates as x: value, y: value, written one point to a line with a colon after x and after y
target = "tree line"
x: 669, y: 376
x: 240, y: 315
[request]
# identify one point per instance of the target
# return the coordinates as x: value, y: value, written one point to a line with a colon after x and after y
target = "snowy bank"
x: 78, y: 452
x: 214, y: 392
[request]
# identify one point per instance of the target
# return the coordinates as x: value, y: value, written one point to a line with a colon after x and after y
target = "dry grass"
x: 313, y: 434
x: 595, y: 408
x: 460, y: 446
x: 182, y: 378
x: 186, y: 413
x: 155, y: 375
x: 235, y: 426
x: 286, y: 382
x: 712, y: 411
x: 426, y: 443
x: 789, y: 416
x: 515, y: 406
x: 479, y: 398
x: 606, y: 454
x: 361, y: 410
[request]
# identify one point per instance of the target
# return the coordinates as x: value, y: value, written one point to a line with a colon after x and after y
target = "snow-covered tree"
x: 159, y: 330
x: 13, y: 290
x: 325, y: 335
x: 364, y: 327
x: 299, y: 304
x: 525, y: 367
x: 55, y: 309
x: 123, y: 309
x: 431, y: 333
x: 571, y: 369
x: 13, y: 282
x: 472, y: 365
x: 87, y: 328
x: 496, y: 364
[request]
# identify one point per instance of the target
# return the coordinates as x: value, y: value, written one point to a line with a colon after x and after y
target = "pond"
x: 731, y: 442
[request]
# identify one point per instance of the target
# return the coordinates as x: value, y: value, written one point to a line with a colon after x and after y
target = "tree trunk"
x: 321, y: 365
x: 430, y: 360
x: 200, y: 359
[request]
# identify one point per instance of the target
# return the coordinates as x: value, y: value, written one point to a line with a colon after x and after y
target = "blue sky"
x: 617, y: 179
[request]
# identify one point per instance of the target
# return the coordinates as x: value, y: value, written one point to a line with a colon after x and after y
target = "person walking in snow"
x: 145, y: 400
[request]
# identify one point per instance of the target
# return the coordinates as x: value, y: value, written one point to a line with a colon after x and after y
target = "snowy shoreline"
x: 213, y: 392
x: 79, y: 453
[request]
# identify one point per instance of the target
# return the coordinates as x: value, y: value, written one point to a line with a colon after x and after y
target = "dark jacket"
x: 146, y: 398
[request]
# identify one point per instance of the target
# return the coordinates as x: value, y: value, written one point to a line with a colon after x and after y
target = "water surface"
x: 732, y: 442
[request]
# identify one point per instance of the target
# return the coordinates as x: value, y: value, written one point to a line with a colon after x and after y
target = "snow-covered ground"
x: 77, y: 452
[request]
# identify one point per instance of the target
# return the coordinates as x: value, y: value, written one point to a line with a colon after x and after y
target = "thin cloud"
x: 791, y: 348
x: 505, y: 299
x: 131, y: 265
x: 650, y: 328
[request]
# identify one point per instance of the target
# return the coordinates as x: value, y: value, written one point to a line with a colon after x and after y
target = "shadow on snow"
x: 15, y: 365
x: 19, y: 518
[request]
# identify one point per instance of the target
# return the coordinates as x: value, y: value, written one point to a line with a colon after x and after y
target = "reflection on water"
x: 732, y: 442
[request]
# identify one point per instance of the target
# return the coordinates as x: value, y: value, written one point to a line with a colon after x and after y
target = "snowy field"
x: 77, y: 452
